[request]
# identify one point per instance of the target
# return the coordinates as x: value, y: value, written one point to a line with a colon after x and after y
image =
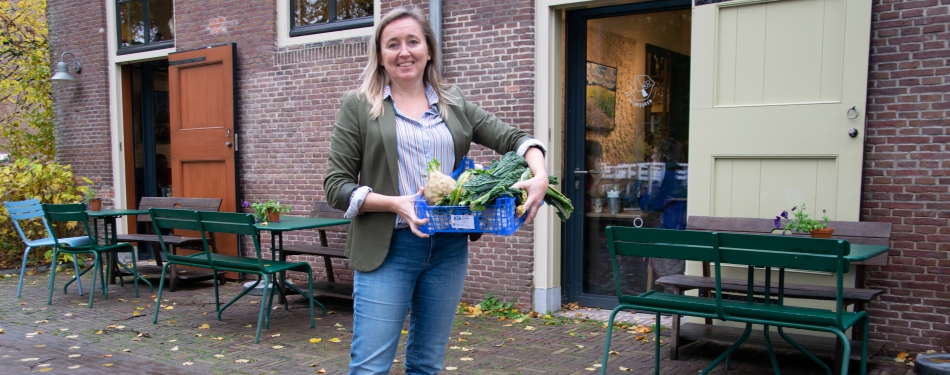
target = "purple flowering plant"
x: 800, y: 221
x: 261, y: 209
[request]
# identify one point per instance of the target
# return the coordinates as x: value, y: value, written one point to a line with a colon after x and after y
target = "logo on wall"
x: 643, y: 91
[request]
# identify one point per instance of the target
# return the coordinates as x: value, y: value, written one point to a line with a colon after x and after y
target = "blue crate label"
x: 463, y: 221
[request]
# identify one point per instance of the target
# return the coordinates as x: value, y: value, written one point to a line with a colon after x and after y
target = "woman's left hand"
x: 536, y: 187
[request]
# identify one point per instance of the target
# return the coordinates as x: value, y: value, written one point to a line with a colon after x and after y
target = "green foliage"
x: 261, y: 209
x: 495, y: 307
x: 25, y: 88
x: 800, y: 221
x: 50, y: 183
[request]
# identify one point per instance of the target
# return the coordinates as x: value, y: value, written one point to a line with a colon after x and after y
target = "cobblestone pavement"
x: 117, y: 336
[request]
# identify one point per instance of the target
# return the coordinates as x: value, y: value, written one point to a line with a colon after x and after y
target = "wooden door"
x: 777, y: 86
x: 202, y: 106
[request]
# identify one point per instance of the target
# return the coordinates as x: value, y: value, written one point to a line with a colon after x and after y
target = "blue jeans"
x: 423, y: 276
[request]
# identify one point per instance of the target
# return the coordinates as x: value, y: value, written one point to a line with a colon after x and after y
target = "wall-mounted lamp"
x: 62, y: 70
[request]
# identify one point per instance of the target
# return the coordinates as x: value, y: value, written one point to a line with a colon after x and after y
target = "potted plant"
x: 93, y: 202
x: 803, y: 222
x: 269, y: 211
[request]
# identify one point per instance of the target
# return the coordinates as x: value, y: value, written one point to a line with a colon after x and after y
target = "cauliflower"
x: 438, y: 185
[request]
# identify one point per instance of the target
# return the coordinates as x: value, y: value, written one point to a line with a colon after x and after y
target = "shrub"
x: 27, y: 179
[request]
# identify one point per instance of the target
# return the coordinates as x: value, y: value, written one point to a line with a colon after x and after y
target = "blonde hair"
x: 375, y: 77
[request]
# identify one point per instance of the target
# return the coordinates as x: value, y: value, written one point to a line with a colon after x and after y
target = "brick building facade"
x: 287, y: 99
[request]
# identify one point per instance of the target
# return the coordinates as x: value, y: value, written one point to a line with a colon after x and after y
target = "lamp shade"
x: 61, y: 73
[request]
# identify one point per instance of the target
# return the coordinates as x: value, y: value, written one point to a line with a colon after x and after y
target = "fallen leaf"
x: 219, y: 338
x: 315, y: 340
x: 204, y: 326
x: 112, y: 326
x: 73, y: 347
x: 107, y: 365
x: 127, y: 350
x: 248, y: 326
x: 197, y: 335
x: 41, y: 346
x: 46, y: 369
x: 405, y: 332
x: 451, y: 368
x: 335, y: 339
x: 41, y: 321
x: 625, y: 369
x: 72, y: 336
x: 169, y: 307
x: 338, y: 325
x: 278, y: 347
x: 529, y: 328
x: 579, y: 346
x: 173, y: 340
x: 73, y: 367
x: 187, y: 363
x: 120, y: 327
x: 174, y: 349
x: 321, y: 371
x: 75, y: 355
x: 135, y: 313
x: 466, y: 359
x: 465, y: 333
x: 219, y: 355
x: 240, y: 361
x: 275, y: 335
x: 614, y: 352
x: 29, y: 359
x: 590, y: 369
x: 901, y: 357
x: 99, y: 332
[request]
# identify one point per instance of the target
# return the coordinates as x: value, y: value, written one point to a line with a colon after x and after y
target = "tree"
x: 26, y: 115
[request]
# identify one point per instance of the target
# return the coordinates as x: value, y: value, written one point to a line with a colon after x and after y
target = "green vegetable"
x: 479, y: 188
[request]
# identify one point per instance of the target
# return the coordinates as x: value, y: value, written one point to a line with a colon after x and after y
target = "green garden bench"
x: 822, y: 255
x: 229, y: 223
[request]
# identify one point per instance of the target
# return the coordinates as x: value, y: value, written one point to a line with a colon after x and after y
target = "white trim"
x: 283, y: 28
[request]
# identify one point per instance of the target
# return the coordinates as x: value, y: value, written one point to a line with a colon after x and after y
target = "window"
x: 144, y: 25
x: 319, y: 16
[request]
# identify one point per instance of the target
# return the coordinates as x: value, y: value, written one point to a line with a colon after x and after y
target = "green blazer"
x: 363, y: 153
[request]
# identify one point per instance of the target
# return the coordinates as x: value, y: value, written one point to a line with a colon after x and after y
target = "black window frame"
x: 148, y: 45
x: 332, y: 25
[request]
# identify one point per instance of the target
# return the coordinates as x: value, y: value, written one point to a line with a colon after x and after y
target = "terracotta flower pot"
x: 95, y: 204
x: 822, y: 233
x: 273, y: 216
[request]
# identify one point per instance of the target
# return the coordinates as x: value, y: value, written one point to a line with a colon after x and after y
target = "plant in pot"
x: 269, y: 211
x: 93, y: 202
x: 803, y: 222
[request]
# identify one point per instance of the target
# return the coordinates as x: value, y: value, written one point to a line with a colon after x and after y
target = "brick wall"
x: 905, y: 175
x: 81, y: 107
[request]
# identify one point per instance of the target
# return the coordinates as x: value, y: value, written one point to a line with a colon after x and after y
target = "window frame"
x: 332, y: 25
x: 148, y: 45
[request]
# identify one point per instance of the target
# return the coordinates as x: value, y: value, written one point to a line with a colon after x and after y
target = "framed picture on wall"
x: 601, y: 97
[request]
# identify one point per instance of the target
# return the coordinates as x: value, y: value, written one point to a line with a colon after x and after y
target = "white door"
x: 776, y: 88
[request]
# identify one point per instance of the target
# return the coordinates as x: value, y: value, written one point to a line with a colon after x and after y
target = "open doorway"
x: 147, y: 150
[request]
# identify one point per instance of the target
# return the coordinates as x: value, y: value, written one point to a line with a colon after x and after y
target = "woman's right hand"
x: 405, y: 206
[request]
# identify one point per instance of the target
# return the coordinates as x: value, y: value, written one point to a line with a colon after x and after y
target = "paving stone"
x: 568, y: 344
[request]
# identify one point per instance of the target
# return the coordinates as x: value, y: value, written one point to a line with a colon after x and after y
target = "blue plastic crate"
x: 498, y: 218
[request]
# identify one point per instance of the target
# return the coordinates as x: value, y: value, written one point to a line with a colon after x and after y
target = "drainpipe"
x: 435, y: 20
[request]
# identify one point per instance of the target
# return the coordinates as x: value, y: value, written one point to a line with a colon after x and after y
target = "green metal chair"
x: 64, y: 214
x: 230, y: 223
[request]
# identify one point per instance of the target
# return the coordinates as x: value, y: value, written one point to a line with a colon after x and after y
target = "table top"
x: 116, y: 212
x: 865, y: 252
x: 299, y: 223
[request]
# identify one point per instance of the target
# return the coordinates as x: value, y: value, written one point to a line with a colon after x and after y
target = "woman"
x: 402, y: 116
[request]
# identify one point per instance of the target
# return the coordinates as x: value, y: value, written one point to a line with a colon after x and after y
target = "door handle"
x: 578, y: 171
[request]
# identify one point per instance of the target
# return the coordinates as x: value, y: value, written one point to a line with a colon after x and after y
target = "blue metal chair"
x: 28, y: 210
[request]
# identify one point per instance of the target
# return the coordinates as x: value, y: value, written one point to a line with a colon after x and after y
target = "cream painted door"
x: 776, y: 88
